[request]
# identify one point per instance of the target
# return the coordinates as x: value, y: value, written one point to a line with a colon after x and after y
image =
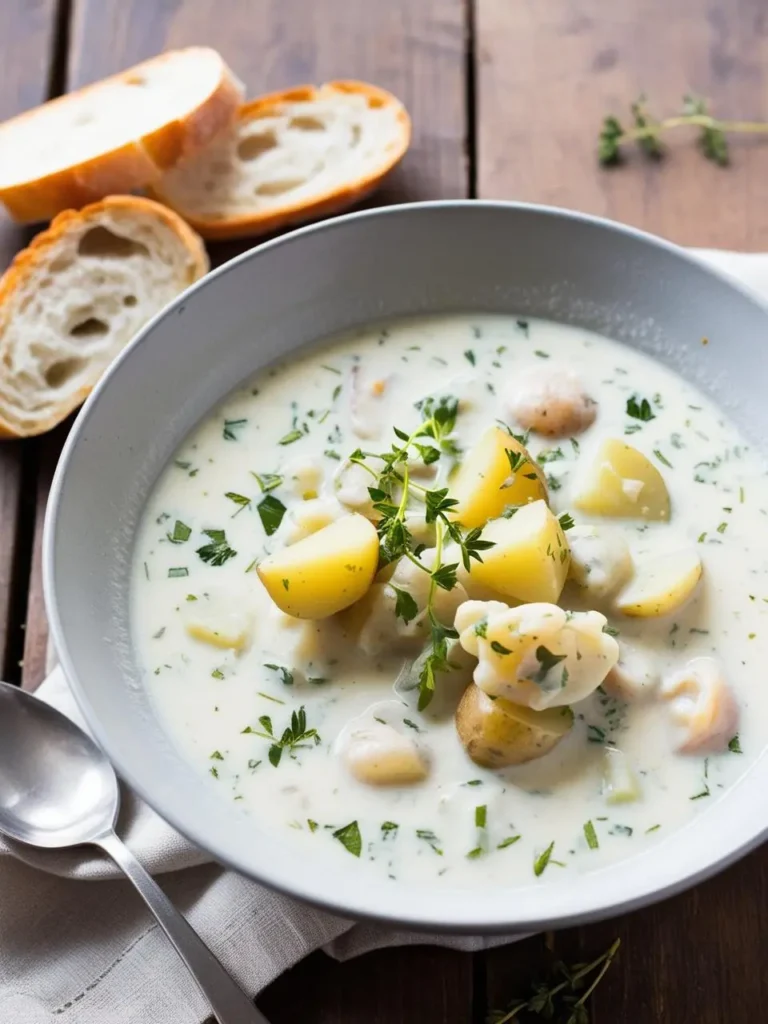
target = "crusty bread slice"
x: 77, y: 295
x: 290, y: 157
x: 115, y: 136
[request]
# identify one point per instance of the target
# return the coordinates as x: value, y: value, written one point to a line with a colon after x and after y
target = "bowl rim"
x: 397, y: 912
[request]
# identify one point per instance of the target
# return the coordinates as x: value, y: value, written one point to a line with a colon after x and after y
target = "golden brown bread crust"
x: 128, y: 167
x: 30, y: 259
x: 333, y: 201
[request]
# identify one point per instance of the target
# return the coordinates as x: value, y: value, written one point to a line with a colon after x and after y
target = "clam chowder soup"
x: 462, y: 600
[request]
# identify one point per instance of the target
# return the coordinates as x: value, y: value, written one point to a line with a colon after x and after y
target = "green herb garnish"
x: 640, y: 410
x: 350, y: 839
x: 293, y: 738
x: 178, y: 572
x: 271, y: 511
x: 218, y: 551
x: 590, y: 835
x: 181, y: 533
x: 230, y: 428
x: 267, y: 481
x: 539, y: 865
x: 286, y: 676
x: 734, y: 745
x: 290, y: 437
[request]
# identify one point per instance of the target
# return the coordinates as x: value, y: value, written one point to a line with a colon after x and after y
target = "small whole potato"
x: 497, y: 733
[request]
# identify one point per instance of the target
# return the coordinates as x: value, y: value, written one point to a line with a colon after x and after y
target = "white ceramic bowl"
x: 436, y: 257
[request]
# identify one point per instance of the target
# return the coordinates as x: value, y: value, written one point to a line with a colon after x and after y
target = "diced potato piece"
x: 623, y: 483
x: 702, y: 706
x: 496, y: 733
x: 536, y: 654
x: 307, y: 518
x: 600, y: 560
x: 381, y: 756
x: 219, y: 620
x: 325, y: 572
x: 530, y: 557
x: 620, y: 784
x: 662, y: 585
x: 486, y: 482
x: 635, y: 676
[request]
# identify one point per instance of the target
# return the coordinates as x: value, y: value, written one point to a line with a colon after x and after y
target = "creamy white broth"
x: 210, y: 700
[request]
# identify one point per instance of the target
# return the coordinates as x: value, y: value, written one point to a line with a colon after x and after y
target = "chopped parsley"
x: 640, y: 409
x: 540, y: 864
x: 286, y: 676
x: 181, y: 533
x: 507, y: 842
x: 238, y: 499
x: 547, y: 661
x: 734, y: 745
x: 231, y: 427
x: 178, y: 572
x: 350, y: 839
x: 590, y: 835
x: 430, y: 838
x: 218, y: 551
x: 271, y: 511
x: 290, y: 437
x: 267, y: 481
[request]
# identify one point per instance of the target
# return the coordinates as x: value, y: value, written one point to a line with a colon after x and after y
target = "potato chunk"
x: 530, y: 557
x: 325, y: 572
x: 662, y: 585
x: 536, y: 654
x: 219, y: 620
x: 703, y: 709
x: 381, y: 756
x: 496, y: 472
x: 497, y: 733
x: 600, y: 560
x: 623, y: 483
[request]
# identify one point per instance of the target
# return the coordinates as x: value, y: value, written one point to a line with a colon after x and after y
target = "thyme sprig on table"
x: 392, y: 496
x: 563, y: 998
x: 647, y: 130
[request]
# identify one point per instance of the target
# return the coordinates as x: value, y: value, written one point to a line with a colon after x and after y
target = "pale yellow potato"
x: 486, y: 483
x: 381, y: 756
x: 325, y: 572
x: 219, y: 619
x: 530, y: 558
x: 623, y: 483
x: 661, y: 585
x: 497, y: 733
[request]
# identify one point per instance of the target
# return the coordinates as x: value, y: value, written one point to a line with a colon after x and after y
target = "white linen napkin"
x: 76, y: 953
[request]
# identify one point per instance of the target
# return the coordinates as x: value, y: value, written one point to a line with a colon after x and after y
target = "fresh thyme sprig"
x: 562, y: 1001
x: 391, y: 497
x: 647, y: 130
x: 294, y: 737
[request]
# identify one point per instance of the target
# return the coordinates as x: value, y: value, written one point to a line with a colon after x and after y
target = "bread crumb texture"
x: 290, y: 157
x: 77, y: 295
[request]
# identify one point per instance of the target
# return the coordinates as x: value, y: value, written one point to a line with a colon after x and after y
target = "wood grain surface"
x: 507, y: 97
x: 27, y: 38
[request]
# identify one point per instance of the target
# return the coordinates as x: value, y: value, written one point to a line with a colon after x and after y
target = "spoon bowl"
x: 57, y: 789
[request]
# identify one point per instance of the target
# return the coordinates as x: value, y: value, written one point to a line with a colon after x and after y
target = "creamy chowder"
x: 315, y: 645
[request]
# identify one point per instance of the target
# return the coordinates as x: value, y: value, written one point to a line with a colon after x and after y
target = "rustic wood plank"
x: 417, y: 51
x: 27, y: 33
x: 411, y: 985
x: 546, y: 76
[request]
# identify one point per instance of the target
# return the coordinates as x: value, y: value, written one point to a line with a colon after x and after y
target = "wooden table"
x: 506, y: 98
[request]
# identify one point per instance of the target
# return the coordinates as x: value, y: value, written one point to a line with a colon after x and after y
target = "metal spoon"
x: 57, y: 789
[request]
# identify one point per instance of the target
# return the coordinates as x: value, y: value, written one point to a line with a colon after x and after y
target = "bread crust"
x: 128, y: 167
x: 43, y: 247
x: 330, y: 202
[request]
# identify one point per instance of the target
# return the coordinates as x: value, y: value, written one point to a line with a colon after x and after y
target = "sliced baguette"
x: 290, y: 156
x: 77, y: 295
x: 115, y: 136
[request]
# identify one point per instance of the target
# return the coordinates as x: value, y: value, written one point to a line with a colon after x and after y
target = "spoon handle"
x: 227, y: 999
